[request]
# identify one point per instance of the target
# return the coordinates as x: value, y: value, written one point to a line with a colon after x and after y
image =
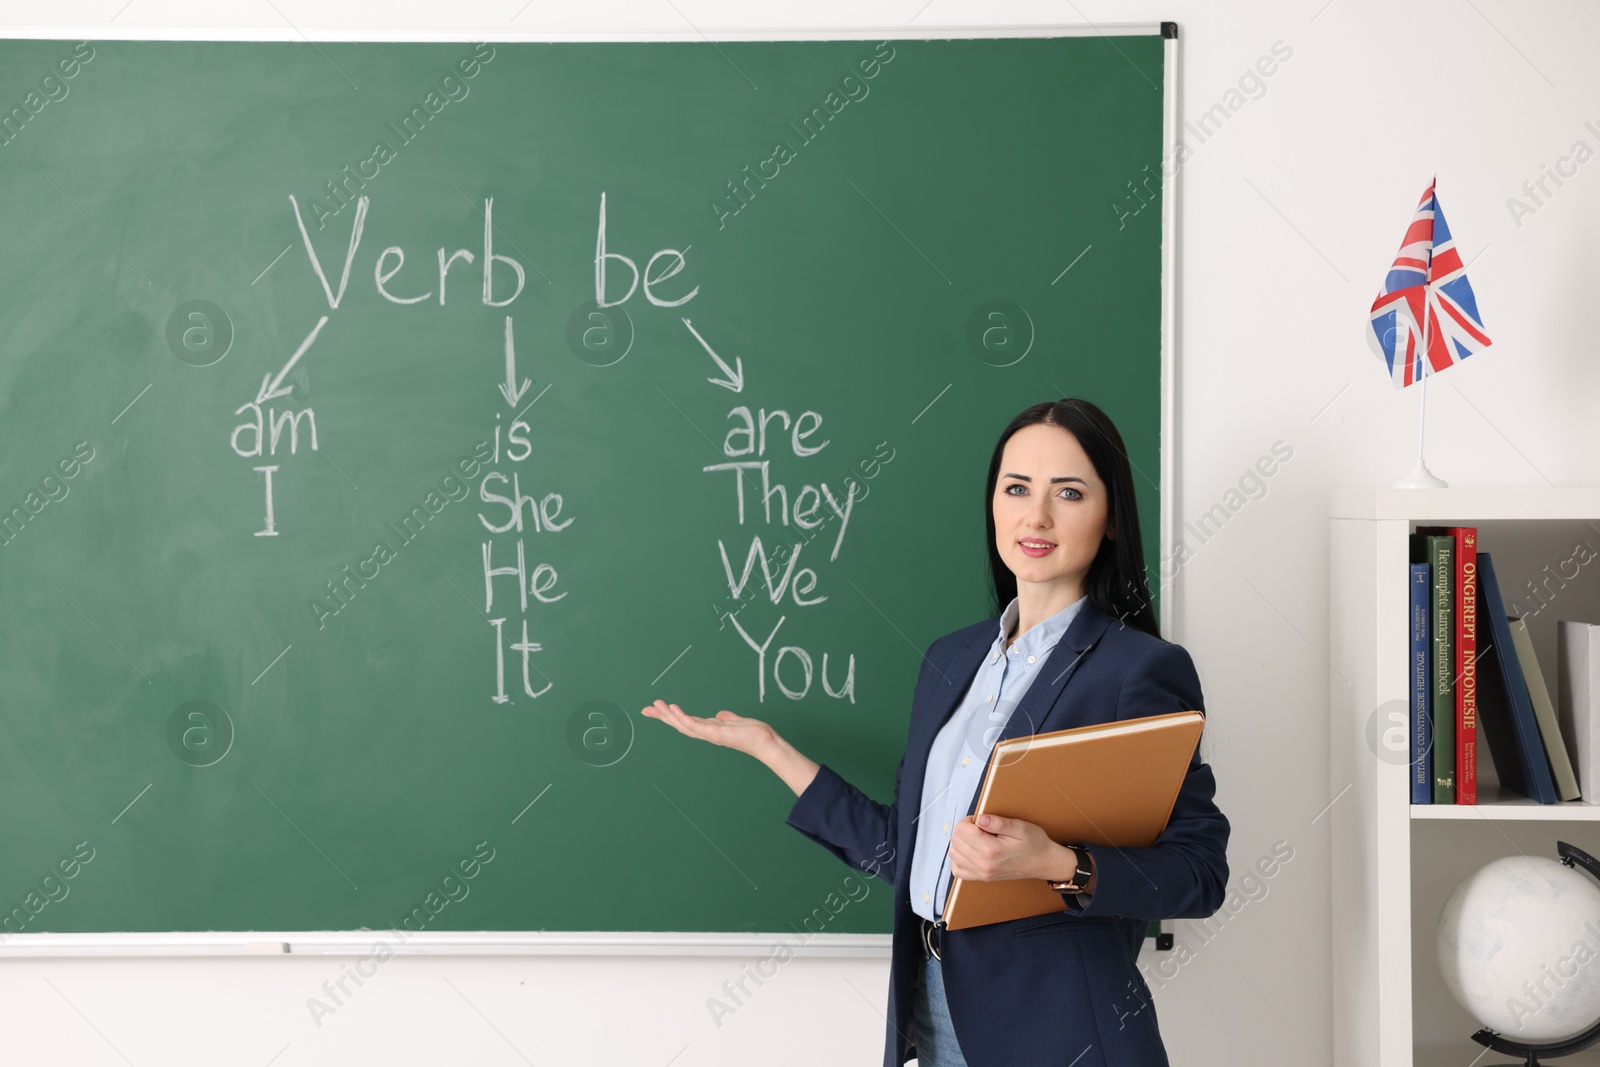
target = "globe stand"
x: 1571, y: 855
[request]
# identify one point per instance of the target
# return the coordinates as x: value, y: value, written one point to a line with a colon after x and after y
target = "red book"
x: 1466, y: 663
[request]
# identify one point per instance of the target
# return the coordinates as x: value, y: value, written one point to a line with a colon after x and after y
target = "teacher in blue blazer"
x: 1075, y: 642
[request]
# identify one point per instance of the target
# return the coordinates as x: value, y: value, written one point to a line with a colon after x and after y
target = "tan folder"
x: 1110, y: 784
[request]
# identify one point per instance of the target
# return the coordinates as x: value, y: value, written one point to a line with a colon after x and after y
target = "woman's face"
x: 1047, y: 494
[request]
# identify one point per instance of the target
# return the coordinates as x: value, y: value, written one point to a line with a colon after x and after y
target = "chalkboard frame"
x: 454, y: 943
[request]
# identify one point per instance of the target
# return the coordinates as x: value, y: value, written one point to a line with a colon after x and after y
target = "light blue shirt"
x: 961, y: 750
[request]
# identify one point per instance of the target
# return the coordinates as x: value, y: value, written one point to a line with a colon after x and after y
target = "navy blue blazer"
x: 1062, y: 988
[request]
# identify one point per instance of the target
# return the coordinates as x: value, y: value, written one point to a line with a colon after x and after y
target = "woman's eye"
x: 1076, y: 494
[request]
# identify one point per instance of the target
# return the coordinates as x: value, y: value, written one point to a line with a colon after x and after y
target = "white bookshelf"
x: 1497, y: 803
x: 1393, y: 862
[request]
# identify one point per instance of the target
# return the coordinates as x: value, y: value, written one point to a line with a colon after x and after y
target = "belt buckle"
x: 931, y: 938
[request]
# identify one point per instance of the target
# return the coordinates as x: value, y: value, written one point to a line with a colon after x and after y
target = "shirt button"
x: 990, y: 700
x: 1030, y: 659
x: 947, y: 827
x: 964, y: 760
x: 924, y: 896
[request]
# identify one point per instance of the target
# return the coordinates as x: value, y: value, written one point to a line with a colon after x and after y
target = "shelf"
x: 1467, y: 506
x: 1496, y: 803
x: 1477, y: 1055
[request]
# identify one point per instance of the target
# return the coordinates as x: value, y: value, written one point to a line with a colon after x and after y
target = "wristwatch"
x: 1080, y: 877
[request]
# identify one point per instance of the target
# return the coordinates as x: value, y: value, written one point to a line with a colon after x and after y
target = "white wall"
x: 1290, y: 215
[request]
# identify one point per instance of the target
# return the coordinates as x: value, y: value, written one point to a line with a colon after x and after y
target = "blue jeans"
x: 930, y: 1015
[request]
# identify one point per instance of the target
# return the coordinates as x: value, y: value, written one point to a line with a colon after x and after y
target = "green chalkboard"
x: 252, y: 676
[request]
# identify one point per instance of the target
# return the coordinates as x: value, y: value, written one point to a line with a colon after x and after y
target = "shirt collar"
x: 1042, y: 637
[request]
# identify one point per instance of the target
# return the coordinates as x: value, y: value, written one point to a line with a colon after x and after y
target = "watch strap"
x: 1080, y: 877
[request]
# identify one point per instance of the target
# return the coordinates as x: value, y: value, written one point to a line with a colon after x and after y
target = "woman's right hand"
x: 750, y: 736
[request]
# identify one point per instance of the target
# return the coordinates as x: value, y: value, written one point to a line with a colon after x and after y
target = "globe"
x: 1519, y: 945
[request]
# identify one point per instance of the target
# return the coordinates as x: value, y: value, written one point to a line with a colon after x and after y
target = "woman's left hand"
x: 994, y: 849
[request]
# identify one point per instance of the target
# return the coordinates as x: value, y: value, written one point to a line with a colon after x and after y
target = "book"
x: 1421, y: 721
x: 1466, y: 658
x: 1442, y: 560
x: 1110, y: 784
x: 1544, y: 710
x: 1504, y: 707
x: 1577, y: 686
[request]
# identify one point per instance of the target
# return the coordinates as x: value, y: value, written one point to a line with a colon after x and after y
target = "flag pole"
x: 1421, y: 477
x: 1422, y: 409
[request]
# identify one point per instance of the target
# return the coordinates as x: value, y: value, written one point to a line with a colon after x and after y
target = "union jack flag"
x: 1429, y: 273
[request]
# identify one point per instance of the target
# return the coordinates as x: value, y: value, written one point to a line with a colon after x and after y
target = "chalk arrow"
x: 272, y: 388
x: 510, y: 389
x: 735, y: 373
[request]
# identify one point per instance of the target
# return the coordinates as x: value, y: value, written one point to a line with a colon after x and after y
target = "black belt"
x: 932, y: 938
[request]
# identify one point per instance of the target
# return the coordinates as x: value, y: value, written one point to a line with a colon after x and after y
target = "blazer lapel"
x: 954, y: 674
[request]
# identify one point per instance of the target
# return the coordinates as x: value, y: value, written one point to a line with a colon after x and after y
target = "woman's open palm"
x: 750, y: 736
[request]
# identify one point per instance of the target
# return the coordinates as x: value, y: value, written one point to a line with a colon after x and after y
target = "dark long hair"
x: 1116, y: 583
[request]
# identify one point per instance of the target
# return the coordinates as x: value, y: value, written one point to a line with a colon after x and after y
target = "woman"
x: 1076, y: 643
